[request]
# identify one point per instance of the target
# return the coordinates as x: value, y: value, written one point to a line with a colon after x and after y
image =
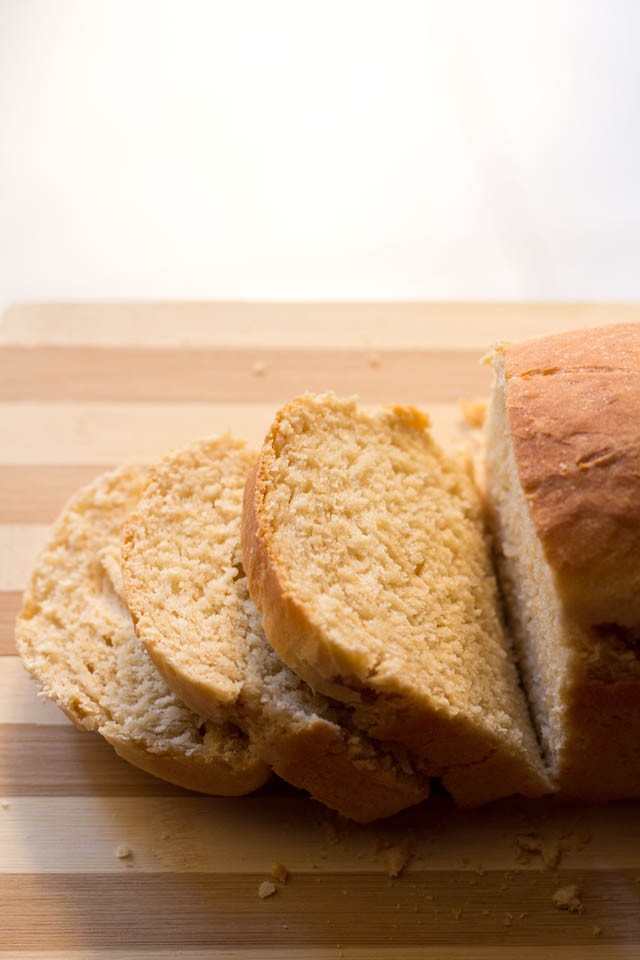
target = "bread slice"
x: 366, y: 555
x: 187, y: 590
x: 76, y: 638
x: 563, y: 470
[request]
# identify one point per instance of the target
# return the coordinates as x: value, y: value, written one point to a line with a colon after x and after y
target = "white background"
x: 274, y: 149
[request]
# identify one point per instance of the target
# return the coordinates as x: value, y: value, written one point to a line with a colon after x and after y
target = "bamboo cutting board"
x: 83, y: 387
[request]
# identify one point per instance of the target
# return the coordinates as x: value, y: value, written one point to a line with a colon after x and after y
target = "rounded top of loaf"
x: 573, y: 408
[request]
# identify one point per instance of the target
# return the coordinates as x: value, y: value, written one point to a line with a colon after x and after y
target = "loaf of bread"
x: 366, y: 555
x: 563, y: 473
x: 76, y: 638
x: 187, y: 590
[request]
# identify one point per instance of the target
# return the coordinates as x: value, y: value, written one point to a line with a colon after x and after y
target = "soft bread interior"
x: 186, y: 584
x: 545, y: 649
x: 76, y: 637
x: 372, y: 542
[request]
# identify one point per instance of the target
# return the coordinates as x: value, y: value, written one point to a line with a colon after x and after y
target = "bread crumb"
x: 531, y: 844
x: 474, y: 412
x: 596, y: 930
x: 508, y: 919
x: 279, y: 872
x: 568, y: 898
x: 266, y: 889
x: 551, y: 855
x: 523, y: 915
x: 5, y: 804
x: 396, y: 859
x: 456, y: 912
x: 123, y: 852
x: 374, y: 359
x: 258, y: 369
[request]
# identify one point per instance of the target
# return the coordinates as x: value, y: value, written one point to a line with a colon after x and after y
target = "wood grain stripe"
x: 10, y: 603
x: 194, y: 909
x: 98, y: 433
x: 355, y: 325
x: 19, y: 546
x: 592, y: 951
x: 58, y: 761
x: 35, y: 494
x: 19, y: 700
x: 120, y: 374
x: 217, y: 834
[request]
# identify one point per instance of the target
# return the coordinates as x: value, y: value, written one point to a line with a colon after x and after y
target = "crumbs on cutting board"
x: 279, y: 872
x: 266, y: 889
x: 124, y: 852
x: 568, y: 898
x: 529, y: 844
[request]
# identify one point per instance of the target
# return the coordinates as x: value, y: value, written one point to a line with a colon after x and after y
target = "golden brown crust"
x: 570, y: 568
x: 601, y: 760
x: 213, y: 775
x: 573, y: 402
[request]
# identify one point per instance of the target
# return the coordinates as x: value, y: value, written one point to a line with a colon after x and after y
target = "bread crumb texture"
x: 186, y: 586
x: 123, y: 852
x: 396, y: 858
x: 266, y: 889
x: 279, y: 872
x: 377, y: 544
x: 568, y: 898
x: 76, y: 638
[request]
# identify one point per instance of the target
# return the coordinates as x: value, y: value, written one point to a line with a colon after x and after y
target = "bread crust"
x: 386, y: 705
x: 572, y: 402
x: 212, y: 775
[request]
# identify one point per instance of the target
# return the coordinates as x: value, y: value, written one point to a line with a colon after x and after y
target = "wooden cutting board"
x: 83, y: 387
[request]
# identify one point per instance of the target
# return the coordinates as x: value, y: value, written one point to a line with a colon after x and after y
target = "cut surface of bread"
x: 366, y: 555
x: 187, y: 590
x: 550, y: 482
x: 76, y: 638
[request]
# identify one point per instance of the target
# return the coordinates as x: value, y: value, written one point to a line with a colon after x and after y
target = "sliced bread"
x: 76, y: 638
x: 187, y: 591
x: 366, y: 555
x: 563, y: 470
